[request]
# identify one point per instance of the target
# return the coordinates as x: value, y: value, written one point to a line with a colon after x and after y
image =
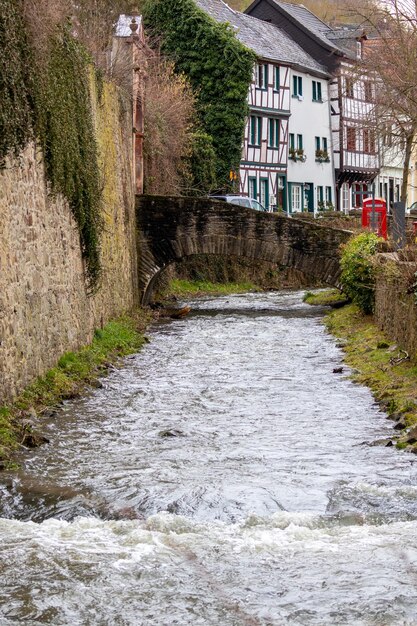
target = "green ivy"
x: 16, y: 95
x: 49, y: 99
x: 202, y: 164
x: 64, y: 125
x: 218, y: 66
x: 358, y: 270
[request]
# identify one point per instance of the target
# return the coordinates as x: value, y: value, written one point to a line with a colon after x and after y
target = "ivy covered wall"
x: 16, y: 81
x: 45, y: 94
x: 218, y: 67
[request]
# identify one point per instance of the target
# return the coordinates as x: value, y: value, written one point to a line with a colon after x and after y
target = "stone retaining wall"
x: 44, y: 308
x: 395, y: 308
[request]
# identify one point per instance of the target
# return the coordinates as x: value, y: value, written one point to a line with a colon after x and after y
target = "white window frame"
x: 296, y: 199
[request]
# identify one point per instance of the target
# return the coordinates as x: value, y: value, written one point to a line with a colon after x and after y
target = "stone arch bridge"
x: 172, y: 228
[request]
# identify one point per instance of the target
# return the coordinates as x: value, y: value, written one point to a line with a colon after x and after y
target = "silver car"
x: 250, y: 203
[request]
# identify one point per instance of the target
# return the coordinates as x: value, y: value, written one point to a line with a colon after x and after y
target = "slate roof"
x: 123, y: 25
x: 267, y: 40
x: 327, y: 35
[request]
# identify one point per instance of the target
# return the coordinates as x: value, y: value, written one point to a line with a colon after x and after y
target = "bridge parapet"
x: 172, y: 228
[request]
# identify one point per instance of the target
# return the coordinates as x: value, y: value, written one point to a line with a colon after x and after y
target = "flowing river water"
x: 225, y: 476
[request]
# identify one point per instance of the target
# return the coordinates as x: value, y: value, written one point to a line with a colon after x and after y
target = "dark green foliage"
x: 49, y: 98
x: 202, y: 164
x: 15, y: 80
x: 358, y: 270
x: 65, y: 127
x: 218, y: 67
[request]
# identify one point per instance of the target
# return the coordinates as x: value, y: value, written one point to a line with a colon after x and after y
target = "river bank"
x: 378, y: 363
x: 21, y: 421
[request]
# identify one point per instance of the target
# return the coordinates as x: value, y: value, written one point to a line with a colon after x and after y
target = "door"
x: 264, y: 193
x: 309, y: 196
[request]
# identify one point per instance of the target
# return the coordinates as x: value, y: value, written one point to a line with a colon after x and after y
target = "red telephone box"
x: 374, y: 216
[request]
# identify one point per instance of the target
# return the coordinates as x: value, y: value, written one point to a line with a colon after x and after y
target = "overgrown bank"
x: 20, y: 422
x: 378, y: 363
x: 210, y: 274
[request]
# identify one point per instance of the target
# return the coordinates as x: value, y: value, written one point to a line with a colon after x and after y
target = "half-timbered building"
x: 355, y: 150
x: 288, y: 117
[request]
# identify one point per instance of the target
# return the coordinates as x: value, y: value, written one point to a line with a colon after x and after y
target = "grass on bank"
x: 376, y: 362
x: 326, y: 297
x: 73, y: 372
x: 182, y: 288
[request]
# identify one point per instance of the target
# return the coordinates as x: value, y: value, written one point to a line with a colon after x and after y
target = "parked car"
x: 250, y: 203
x: 412, y: 209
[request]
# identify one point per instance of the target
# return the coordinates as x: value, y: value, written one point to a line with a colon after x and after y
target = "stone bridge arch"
x: 172, y: 228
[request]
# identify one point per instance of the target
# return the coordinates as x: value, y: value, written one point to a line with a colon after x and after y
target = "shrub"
x: 358, y: 271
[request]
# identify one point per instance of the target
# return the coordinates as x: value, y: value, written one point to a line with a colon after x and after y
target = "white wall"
x: 311, y: 119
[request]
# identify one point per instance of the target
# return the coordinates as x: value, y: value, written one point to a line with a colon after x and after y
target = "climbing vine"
x: 64, y: 126
x: 46, y: 95
x: 218, y: 67
x: 16, y: 97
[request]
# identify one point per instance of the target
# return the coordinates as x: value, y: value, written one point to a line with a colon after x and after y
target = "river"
x: 224, y: 476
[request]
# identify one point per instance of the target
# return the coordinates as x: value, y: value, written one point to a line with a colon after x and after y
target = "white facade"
x: 311, y: 182
x: 287, y: 160
x: 263, y: 167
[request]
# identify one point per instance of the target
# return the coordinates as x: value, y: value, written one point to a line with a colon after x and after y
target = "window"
x: 321, y: 149
x: 345, y: 197
x: 349, y: 87
x: 296, y: 198
x: 261, y: 76
x: 328, y: 196
x: 273, y: 133
x: 360, y: 192
x: 264, y: 193
x: 276, y: 78
x: 317, y: 91
x: 297, y: 86
x: 368, y: 141
x: 292, y: 141
x: 252, y: 189
x: 255, y: 133
x: 299, y: 142
x: 368, y: 91
x: 351, y: 138
x: 319, y: 196
x: 387, y: 136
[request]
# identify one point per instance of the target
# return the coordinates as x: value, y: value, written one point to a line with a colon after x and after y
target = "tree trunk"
x: 406, y: 165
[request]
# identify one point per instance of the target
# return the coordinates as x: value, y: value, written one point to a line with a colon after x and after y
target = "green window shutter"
x: 292, y: 143
x: 325, y: 144
x: 300, y: 86
x: 314, y: 90
x: 252, y: 130
x: 277, y: 133
x: 265, y: 76
x: 259, y: 131
x: 318, y: 91
x: 317, y: 143
x: 300, y: 142
x: 276, y: 79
